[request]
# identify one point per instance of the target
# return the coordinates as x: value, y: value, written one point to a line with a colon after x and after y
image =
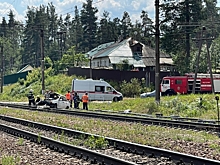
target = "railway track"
x: 177, y: 122
x: 118, y: 152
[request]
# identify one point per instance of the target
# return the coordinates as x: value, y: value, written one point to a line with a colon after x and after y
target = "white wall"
x: 100, y: 62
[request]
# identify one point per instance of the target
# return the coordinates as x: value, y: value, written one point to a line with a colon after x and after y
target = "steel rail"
x: 119, y: 144
x: 127, y: 118
x: 76, y: 151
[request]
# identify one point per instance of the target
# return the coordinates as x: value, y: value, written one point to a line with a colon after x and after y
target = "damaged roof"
x: 121, y: 50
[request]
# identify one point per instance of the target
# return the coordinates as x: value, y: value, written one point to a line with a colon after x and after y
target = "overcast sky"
x: 116, y: 8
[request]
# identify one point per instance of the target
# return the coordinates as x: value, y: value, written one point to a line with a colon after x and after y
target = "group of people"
x: 48, y: 94
x: 73, y: 97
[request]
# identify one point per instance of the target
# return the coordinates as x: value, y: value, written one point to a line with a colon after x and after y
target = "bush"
x: 131, y: 89
x: 21, y: 81
x: 152, y: 107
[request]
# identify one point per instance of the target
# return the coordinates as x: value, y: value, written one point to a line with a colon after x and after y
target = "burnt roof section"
x: 121, y: 50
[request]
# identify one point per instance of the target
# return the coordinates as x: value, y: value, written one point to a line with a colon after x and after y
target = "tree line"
x: 66, y: 39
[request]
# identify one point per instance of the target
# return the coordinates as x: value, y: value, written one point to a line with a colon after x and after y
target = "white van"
x: 96, y: 89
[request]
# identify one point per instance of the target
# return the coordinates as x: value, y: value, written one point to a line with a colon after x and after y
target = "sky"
x: 116, y: 8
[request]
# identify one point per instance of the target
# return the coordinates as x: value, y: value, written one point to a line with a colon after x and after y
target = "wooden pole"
x: 2, y: 68
x: 157, y: 53
x: 197, y: 61
x: 42, y: 59
x: 210, y: 67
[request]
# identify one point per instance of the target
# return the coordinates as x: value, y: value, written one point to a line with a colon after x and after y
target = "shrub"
x: 21, y: 81
x: 131, y: 89
x: 96, y: 142
x: 152, y: 107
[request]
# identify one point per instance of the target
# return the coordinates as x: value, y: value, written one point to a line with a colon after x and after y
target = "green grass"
x: 9, y: 160
x: 18, y: 92
x: 21, y: 141
x: 182, y: 105
x: 134, y: 132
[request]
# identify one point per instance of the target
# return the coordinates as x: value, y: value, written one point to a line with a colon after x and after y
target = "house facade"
x: 128, y: 52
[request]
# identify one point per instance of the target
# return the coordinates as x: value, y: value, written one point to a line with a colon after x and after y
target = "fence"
x: 118, y: 75
x: 13, y: 78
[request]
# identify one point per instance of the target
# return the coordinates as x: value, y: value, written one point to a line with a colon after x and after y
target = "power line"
x: 81, y: 7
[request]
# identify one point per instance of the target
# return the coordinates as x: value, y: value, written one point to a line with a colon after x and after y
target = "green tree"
x: 89, y: 24
x: 215, y: 56
x: 70, y: 59
x: 106, y: 31
x: 126, y: 25
x: 51, y: 44
x: 76, y: 32
x: 123, y: 65
x: 179, y: 21
x: 147, y: 29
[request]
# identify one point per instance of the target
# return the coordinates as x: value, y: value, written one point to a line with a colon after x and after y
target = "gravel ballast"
x: 30, y: 153
x: 141, y: 159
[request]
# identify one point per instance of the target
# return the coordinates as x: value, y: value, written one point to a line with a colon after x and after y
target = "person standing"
x: 76, y: 101
x: 31, y: 99
x: 71, y: 99
x: 68, y: 96
x: 85, y: 100
x: 51, y: 94
x: 47, y: 95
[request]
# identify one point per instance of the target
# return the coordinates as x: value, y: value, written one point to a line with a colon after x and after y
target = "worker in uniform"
x: 85, y: 100
x: 68, y: 96
x: 31, y: 99
x: 38, y: 99
x: 76, y: 100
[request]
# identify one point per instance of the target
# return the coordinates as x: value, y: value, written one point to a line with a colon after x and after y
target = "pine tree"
x: 89, y: 25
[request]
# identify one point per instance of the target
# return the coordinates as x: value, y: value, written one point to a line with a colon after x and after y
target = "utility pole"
x: 210, y: 67
x: 197, y: 61
x: 61, y: 41
x: 90, y: 67
x: 187, y: 34
x: 157, y: 53
x: 2, y: 67
x: 209, y: 62
x: 42, y: 58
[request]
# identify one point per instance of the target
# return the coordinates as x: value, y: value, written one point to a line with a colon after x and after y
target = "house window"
x: 97, y: 64
x: 105, y: 63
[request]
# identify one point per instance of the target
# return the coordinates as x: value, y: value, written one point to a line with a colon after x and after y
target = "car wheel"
x: 115, y: 99
x: 67, y: 107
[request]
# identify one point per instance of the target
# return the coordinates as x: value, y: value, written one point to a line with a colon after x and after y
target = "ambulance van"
x: 98, y: 90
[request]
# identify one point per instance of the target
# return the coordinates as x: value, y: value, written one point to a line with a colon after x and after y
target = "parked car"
x: 148, y: 94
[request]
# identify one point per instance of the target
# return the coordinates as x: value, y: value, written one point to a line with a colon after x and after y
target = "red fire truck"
x: 184, y: 84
